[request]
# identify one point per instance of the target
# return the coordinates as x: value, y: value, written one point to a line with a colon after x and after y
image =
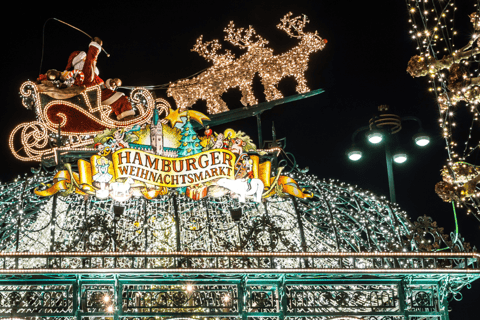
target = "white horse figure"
x: 121, y: 190
x: 241, y: 188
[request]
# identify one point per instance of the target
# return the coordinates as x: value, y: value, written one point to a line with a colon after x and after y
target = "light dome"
x: 339, y: 218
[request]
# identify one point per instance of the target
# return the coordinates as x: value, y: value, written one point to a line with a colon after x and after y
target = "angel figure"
x: 102, y: 177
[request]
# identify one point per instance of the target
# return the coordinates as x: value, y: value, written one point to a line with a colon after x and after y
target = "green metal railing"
x: 248, y: 262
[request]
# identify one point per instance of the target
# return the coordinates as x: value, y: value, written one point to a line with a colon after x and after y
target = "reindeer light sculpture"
x: 228, y: 72
x: 292, y: 63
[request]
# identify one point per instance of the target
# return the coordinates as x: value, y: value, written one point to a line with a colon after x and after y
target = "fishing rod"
x: 108, y: 55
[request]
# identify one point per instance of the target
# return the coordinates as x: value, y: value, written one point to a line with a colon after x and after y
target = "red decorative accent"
x: 42, y: 77
x: 197, y: 192
x: 77, y: 122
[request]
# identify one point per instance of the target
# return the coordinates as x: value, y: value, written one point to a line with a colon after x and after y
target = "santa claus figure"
x: 85, y: 66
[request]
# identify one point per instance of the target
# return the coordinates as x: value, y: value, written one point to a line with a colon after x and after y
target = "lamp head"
x: 400, y: 157
x: 374, y: 136
x: 354, y: 153
x: 421, y: 139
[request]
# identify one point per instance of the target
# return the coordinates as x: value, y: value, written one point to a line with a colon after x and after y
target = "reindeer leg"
x: 223, y: 105
x: 274, y: 93
x: 211, y: 106
x: 301, y: 84
x: 216, y: 105
x: 270, y: 89
x: 248, y: 97
x: 182, y: 105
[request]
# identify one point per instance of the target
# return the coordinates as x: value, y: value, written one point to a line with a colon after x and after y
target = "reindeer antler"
x: 293, y: 24
x: 243, y: 38
x: 209, y: 49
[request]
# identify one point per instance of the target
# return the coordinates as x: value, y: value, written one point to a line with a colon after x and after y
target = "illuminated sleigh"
x: 75, y: 113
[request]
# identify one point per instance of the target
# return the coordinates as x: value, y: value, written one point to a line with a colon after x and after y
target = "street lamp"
x: 380, y: 129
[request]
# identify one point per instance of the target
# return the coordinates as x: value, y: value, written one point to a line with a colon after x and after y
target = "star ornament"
x: 176, y: 117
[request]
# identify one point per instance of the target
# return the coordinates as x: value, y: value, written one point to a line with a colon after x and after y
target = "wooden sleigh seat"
x: 48, y: 88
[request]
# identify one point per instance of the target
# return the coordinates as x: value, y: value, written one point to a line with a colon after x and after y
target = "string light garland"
x: 229, y: 72
x: 453, y: 76
x: 433, y: 255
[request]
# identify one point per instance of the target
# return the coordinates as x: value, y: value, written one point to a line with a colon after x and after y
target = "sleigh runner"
x: 74, y: 115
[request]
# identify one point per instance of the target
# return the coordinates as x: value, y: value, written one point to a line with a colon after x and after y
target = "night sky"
x: 362, y: 66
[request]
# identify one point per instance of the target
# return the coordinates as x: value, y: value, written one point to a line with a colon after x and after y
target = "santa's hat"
x: 74, y: 58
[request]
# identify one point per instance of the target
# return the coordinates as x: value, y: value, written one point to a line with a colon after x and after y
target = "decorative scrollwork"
x: 34, y: 138
x: 29, y: 95
x: 426, y: 236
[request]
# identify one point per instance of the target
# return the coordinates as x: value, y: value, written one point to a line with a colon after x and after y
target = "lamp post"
x: 381, y: 129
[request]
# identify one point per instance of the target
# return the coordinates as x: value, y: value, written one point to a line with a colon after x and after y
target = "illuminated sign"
x: 173, y: 172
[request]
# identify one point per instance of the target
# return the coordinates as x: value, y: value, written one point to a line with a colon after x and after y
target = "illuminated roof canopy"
x: 339, y: 218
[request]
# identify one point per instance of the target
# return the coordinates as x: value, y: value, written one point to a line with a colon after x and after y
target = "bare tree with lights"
x: 455, y: 81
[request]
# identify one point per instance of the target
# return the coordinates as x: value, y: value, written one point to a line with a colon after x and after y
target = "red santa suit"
x: 87, y: 63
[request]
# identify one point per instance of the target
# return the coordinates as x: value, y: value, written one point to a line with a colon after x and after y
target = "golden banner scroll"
x: 66, y: 181
x: 144, y: 168
x: 278, y: 184
x: 153, y: 174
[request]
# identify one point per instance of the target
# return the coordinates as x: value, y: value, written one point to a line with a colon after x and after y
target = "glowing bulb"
x: 374, y: 136
x: 400, y: 158
x: 422, y: 140
x: 355, y: 155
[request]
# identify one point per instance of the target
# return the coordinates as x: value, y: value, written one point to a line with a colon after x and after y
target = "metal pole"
x: 388, y: 157
x: 177, y: 222
x: 259, y: 129
x: 300, y: 228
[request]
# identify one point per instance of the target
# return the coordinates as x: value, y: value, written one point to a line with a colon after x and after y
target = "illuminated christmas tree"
x: 189, y: 143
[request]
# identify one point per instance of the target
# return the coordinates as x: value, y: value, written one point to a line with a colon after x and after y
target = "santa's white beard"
x: 80, y: 64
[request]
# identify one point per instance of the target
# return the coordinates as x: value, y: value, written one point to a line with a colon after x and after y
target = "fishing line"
x: 166, y: 85
x: 154, y: 87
